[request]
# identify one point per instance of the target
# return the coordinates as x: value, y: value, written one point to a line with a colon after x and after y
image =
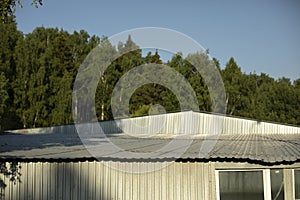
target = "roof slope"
x: 264, y: 149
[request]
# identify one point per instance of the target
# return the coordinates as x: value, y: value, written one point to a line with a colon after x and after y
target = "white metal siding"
x: 177, y: 123
x: 95, y: 180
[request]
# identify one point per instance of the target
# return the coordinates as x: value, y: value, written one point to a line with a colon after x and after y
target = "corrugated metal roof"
x: 264, y: 149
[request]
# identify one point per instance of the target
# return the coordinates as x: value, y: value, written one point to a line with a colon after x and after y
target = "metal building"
x: 218, y: 157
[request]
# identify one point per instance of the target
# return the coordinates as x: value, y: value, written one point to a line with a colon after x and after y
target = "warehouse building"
x: 243, y: 159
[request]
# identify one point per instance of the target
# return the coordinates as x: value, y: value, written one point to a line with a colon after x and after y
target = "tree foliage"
x: 3, y: 96
x: 41, y: 67
x: 8, y: 8
x: 38, y: 70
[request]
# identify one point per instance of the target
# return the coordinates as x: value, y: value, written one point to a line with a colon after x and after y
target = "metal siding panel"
x: 164, y: 183
x: 172, y: 186
x: 80, y: 183
x: 84, y: 179
x: 106, y: 182
x: 45, y: 180
x: 202, y: 183
x: 157, y: 182
x: 141, y: 184
x: 151, y: 180
x: 124, y: 184
x: 51, y: 182
x: 81, y: 188
x: 59, y: 184
x: 184, y: 183
x: 116, y: 182
x: 103, y: 182
x: 37, y: 181
x: 75, y: 182
x: 99, y: 176
x: 179, y: 181
x: 129, y: 181
x: 193, y: 122
x: 9, y: 190
x: 68, y: 184
x: 52, y: 177
x: 212, y: 180
x: 30, y: 181
x: 113, y: 183
x: 196, y: 181
x: 97, y: 181
x: 206, y: 181
x: 193, y: 182
x: 2, y: 190
x: 93, y: 180
x: 10, y: 187
x: 89, y: 180
x: 135, y: 186
x: 23, y: 171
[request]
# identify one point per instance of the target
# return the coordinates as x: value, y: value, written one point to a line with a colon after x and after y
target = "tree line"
x: 38, y: 70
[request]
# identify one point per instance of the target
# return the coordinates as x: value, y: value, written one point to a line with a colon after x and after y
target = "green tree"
x: 297, y: 99
x: 232, y: 77
x: 67, y: 53
x: 108, y: 79
x: 31, y: 84
x: 196, y: 78
x: 3, y: 97
x: 286, y: 103
x: 9, y: 35
x: 148, y: 94
x: 8, y: 7
x: 47, y: 63
x: 128, y: 56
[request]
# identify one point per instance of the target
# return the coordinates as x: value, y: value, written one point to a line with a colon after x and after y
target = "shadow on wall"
x: 9, y: 170
x: 55, y: 180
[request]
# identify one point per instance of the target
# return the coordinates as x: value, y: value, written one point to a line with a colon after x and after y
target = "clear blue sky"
x: 262, y: 36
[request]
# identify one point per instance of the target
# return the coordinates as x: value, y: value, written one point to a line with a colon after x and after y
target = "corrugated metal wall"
x: 96, y: 180
x: 177, y: 123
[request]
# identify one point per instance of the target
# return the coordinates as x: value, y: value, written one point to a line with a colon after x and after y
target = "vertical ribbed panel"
x: 177, y: 123
x: 96, y: 180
